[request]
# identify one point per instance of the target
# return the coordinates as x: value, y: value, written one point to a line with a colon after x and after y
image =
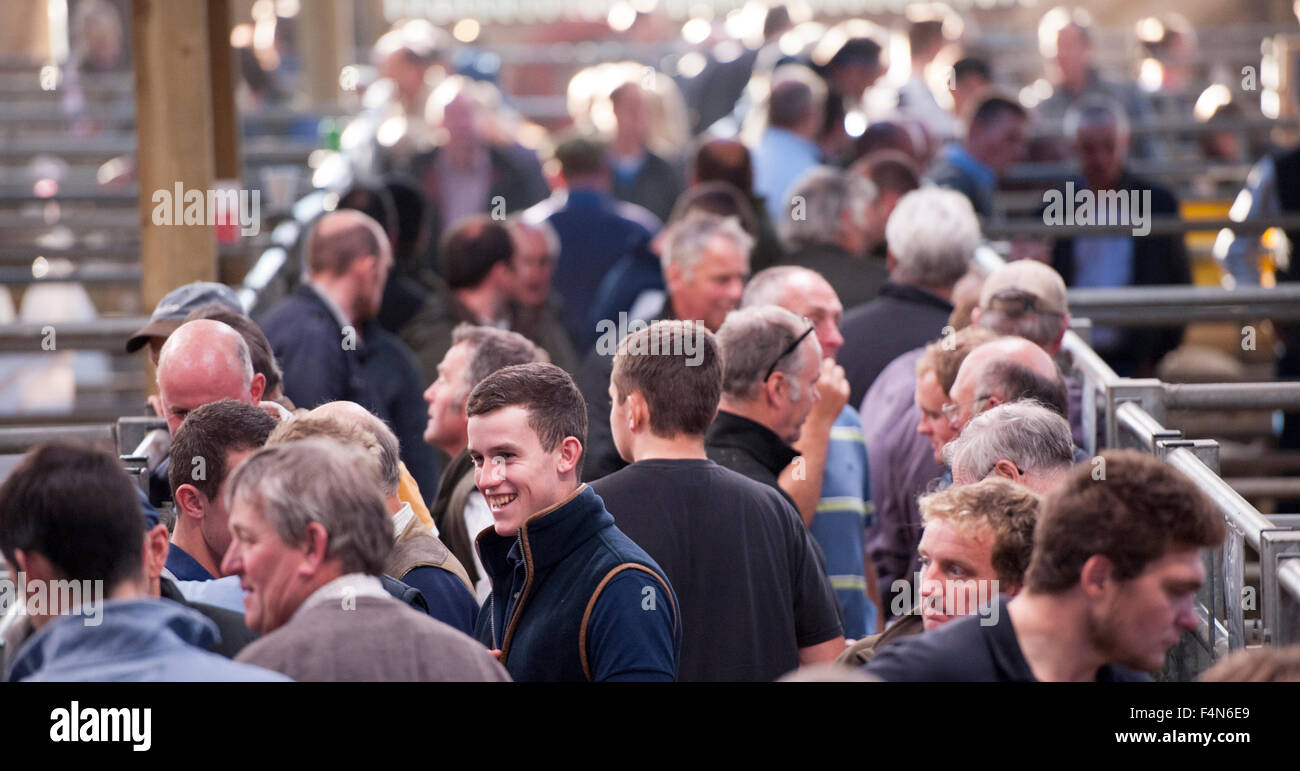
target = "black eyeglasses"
x: 789, y: 349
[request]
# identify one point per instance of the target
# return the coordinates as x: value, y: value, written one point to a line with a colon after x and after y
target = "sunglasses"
x: 789, y: 349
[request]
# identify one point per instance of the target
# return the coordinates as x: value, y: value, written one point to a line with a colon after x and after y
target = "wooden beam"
x: 225, y: 115
x: 173, y: 116
x: 325, y: 45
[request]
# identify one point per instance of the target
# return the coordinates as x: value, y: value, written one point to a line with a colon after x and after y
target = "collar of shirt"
x: 401, y: 519
x: 755, y: 438
x: 334, y: 309
x: 349, y: 586
x: 183, y: 567
x: 960, y: 158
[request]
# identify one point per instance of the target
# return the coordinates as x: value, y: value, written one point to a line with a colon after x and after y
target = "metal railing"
x: 1131, y: 411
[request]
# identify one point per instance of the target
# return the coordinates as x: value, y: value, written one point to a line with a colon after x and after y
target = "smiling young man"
x: 573, y: 598
x: 1110, y: 587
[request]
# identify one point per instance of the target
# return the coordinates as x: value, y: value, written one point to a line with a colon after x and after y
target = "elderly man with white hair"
x: 1021, y: 441
x: 932, y: 235
x: 825, y: 230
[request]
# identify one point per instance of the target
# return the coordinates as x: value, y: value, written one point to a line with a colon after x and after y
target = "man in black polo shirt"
x: 1111, y: 585
x: 773, y: 362
x: 755, y: 602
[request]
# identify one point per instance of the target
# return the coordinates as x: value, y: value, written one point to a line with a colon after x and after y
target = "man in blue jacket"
x: 70, y: 524
x: 573, y: 598
x: 316, y: 331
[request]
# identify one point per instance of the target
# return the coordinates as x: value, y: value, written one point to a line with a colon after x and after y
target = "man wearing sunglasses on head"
x: 769, y: 386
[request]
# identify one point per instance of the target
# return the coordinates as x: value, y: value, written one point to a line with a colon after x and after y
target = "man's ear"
x: 156, y: 547
x: 638, y: 412
x: 1007, y: 470
x: 1097, y: 573
x: 314, y: 549
x: 258, y: 387
x: 1013, y: 589
x: 570, y: 453
x: 190, y: 501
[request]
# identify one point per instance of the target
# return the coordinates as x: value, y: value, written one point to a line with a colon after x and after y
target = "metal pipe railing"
x: 103, y: 334
x: 1231, y: 396
x: 20, y: 439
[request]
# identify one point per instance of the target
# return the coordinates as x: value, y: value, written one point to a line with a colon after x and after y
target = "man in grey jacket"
x: 310, y: 533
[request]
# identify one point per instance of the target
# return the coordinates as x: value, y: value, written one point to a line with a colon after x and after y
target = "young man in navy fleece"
x: 573, y: 598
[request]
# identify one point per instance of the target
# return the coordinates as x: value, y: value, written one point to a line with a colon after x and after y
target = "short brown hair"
x: 946, y: 354
x: 554, y: 404
x: 1134, y: 513
x: 1008, y: 509
x: 682, y: 396
x: 210, y: 432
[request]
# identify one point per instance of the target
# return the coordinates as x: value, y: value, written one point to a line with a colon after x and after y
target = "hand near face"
x: 833, y: 388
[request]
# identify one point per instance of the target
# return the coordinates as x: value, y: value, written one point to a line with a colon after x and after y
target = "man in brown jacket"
x: 310, y: 533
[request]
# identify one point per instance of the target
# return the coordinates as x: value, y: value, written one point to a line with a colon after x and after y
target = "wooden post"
x: 324, y: 43
x: 225, y: 116
x: 174, y: 136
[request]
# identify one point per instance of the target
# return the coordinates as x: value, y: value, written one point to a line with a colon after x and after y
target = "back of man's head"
x: 1011, y: 382
x: 1130, y: 508
x: 1025, y: 298
x: 724, y: 160
x: 932, y: 235
x: 548, y: 395
x: 76, y: 508
x: 891, y: 171
x: 210, y: 433
x: 581, y: 159
x: 1007, y: 510
x: 1034, y: 439
x: 677, y: 367
x: 340, y: 237
x: 472, y: 248
x: 797, y: 95
x: 827, y: 206
x: 346, y: 427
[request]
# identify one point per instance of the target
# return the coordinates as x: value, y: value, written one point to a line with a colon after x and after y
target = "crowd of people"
x: 716, y: 417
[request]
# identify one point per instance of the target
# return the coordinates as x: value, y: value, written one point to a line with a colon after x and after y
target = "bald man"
x: 316, y: 332
x: 205, y: 361
x: 1001, y: 371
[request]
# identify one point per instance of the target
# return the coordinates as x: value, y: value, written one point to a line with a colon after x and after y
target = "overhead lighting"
x: 466, y: 30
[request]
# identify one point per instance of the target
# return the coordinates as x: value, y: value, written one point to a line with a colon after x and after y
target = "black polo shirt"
x: 968, y: 651
x: 743, y: 566
x: 749, y: 448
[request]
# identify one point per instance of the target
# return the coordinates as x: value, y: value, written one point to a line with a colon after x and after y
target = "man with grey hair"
x: 796, y: 108
x: 418, y: 558
x: 1099, y: 140
x: 1022, y: 441
x: 932, y: 235
x: 772, y: 362
x: 310, y: 536
x: 459, y: 511
x: 316, y: 331
x: 834, y: 492
x: 826, y: 231
x: 705, y: 262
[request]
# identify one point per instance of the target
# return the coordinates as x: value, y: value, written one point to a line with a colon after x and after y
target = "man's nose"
x: 231, y: 564
x: 1186, y: 617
